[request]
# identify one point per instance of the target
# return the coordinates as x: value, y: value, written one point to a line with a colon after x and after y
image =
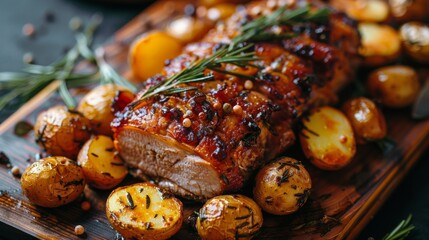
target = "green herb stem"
x: 236, y: 53
x: 401, y: 231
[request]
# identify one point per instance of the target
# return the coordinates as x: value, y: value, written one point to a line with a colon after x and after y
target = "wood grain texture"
x: 341, y: 203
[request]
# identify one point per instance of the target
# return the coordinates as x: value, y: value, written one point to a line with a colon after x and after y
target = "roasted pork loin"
x: 221, y: 148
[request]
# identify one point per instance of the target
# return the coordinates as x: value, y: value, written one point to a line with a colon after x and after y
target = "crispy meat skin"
x: 226, y: 147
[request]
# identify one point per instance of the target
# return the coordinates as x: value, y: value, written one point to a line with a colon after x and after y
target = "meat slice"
x: 222, y: 147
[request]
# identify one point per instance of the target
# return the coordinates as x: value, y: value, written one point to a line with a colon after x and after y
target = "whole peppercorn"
x: 187, y: 122
x: 79, y: 230
x: 227, y: 107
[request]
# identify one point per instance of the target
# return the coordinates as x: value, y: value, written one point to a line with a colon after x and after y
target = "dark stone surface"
x: 51, y: 38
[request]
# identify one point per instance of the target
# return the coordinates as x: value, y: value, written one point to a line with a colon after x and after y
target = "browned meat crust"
x: 298, y: 72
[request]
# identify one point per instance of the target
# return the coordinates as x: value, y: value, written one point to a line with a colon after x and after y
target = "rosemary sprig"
x: 195, y: 73
x: 234, y: 53
x: 24, y: 85
x: 401, y: 231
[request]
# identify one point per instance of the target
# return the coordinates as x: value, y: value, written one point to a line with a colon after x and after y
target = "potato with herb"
x: 394, y: 86
x: 282, y: 187
x: 229, y: 217
x: 415, y: 39
x: 102, y: 167
x: 53, y: 182
x: 327, y: 138
x: 144, y: 211
x: 97, y: 106
x: 381, y: 44
x: 62, y: 132
x: 149, y: 52
x: 367, y: 120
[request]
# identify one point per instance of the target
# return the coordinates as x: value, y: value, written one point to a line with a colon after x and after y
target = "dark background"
x: 52, y: 38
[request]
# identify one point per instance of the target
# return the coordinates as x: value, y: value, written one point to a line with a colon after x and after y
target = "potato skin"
x: 394, y: 86
x: 97, y: 107
x: 415, y: 39
x: 188, y: 29
x: 327, y: 138
x: 363, y: 10
x: 102, y: 167
x: 282, y: 187
x: 62, y: 132
x: 154, y: 214
x: 228, y: 217
x: 409, y: 10
x: 367, y: 120
x: 381, y: 44
x: 53, y: 182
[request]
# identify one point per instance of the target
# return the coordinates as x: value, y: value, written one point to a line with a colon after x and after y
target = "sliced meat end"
x: 173, y: 165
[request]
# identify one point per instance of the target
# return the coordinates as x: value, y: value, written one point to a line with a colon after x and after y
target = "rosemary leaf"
x: 238, y: 52
x: 401, y: 231
x: 34, y: 77
x: 179, y: 90
x: 6, y: 77
x: 39, y: 69
x: 66, y: 96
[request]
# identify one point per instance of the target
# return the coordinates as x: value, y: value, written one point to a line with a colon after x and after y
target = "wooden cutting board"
x: 341, y: 204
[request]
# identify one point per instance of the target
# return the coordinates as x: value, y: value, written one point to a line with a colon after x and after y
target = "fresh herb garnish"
x: 237, y: 52
x: 24, y: 85
x: 401, y: 231
x: 130, y: 201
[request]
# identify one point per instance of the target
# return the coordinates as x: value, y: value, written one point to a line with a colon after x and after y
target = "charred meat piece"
x: 236, y: 126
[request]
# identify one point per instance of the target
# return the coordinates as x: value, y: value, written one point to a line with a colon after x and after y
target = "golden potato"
x: 62, y: 132
x: 149, y: 52
x: 144, y: 211
x: 229, y: 217
x: 52, y: 182
x: 102, y: 167
x: 211, y: 3
x: 415, y: 39
x: 327, y: 138
x: 367, y: 120
x: 381, y: 44
x: 188, y: 29
x: 96, y: 106
x: 282, y: 187
x: 221, y: 11
x: 363, y: 10
x: 394, y: 86
x: 409, y: 10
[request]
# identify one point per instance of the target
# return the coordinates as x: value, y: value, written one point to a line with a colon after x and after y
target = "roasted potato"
x: 381, y: 44
x: 149, y: 52
x: 394, y: 86
x: 229, y: 217
x: 221, y: 11
x: 409, y: 10
x: 144, y: 211
x: 97, y: 104
x: 327, y: 138
x: 102, y: 167
x: 52, y: 182
x: 363, y: 10
x: 367, y: 120
x: 211, y: 3
x: 188, y: 29
x: 282, y: 187
x: 62, y: 132
x: 415, y: 39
